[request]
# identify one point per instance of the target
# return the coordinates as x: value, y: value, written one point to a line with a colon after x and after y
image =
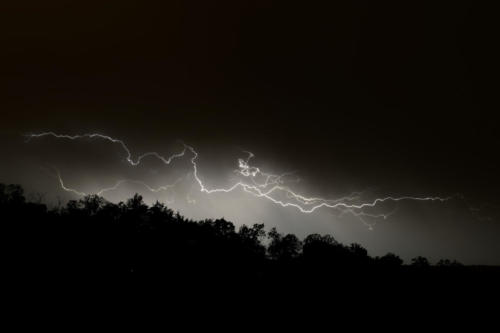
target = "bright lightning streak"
x: 108, y: 138
x: 117, y: 185
x: 304, y: 205
x: 262, y: 185
x: 129, y: 159
x: 67, y: 189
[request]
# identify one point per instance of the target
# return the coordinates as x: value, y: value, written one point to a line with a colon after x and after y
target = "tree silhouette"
x: 449, y: 263
x: 420, y: 262
x: 283, y: 247
x: 390, y: 260
x: 92, y: 238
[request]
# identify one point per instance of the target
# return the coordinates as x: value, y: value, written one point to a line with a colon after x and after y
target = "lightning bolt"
x: 129, y: 159
x: 117, y: 185
x: 252, y: 180
x: 272, y: 184
x: 139, y: 159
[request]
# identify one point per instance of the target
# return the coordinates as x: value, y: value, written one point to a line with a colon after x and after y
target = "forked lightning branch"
x: 252, y: 180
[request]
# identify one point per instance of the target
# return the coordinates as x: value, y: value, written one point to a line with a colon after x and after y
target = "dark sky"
x: 393, y: 95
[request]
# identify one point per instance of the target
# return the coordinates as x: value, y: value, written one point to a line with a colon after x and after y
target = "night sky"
x: 389, y: 98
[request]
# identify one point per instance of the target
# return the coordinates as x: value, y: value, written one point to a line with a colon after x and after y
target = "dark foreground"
x: 93, y: 249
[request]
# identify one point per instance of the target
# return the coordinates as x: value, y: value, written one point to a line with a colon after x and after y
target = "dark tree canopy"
x: 96, y: 239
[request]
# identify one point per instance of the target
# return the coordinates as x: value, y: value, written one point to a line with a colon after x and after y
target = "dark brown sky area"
x: 398, y: 96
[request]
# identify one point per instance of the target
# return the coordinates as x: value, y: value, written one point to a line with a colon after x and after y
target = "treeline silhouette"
x: 92, y: 239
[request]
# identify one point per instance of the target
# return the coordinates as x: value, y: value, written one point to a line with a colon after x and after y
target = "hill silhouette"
x: 93, y: 241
